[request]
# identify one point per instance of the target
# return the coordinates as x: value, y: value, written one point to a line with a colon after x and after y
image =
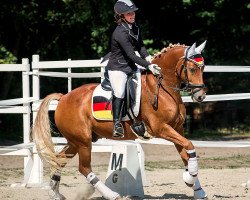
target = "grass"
x: 232, y: 162
x: 221, y: 134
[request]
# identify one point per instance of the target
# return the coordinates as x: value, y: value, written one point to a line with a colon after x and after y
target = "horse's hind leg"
x: 84, y: 152
x: 67, y: 152
x: 191, y: 181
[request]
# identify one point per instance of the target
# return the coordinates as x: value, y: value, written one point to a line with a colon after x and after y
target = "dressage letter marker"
x: 124, y: 174
x: 115, y: 164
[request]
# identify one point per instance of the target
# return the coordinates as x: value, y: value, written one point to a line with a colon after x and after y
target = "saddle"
x: 102, y: 98
x: 102, y: 103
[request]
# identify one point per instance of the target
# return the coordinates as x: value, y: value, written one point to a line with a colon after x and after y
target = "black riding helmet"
x: 124, y: 6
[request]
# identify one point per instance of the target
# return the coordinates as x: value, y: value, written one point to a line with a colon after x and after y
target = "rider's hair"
x: 119, y: 18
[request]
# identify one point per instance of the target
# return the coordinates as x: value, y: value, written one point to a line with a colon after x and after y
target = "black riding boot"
x: 117, y: 105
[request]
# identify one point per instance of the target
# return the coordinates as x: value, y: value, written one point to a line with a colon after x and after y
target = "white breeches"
x: 118, y: 80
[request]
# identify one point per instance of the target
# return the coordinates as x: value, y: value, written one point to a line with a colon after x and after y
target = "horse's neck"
x: 166, y: 90
x: 168, y: 63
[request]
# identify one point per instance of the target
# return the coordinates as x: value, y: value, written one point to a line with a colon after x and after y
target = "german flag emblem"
x: 102, y: 108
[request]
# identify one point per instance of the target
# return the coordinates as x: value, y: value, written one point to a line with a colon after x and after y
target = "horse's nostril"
x: 200, y: 98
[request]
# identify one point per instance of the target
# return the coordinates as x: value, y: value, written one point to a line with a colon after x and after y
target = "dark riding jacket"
x: 124, y: 43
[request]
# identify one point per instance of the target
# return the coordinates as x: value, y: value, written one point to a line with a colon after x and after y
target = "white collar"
x: 129, y: 25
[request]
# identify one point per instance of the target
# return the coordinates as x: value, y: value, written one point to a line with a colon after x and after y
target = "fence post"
x: 36, y: 177
x: 26, y: 94
x: 69, y: 78
x: 26, y: 119
x: 35, y: 78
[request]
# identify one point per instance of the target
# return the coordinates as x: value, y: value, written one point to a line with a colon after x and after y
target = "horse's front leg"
x: 188, y: 154
x: 191, y: 181
x: 168, y: 133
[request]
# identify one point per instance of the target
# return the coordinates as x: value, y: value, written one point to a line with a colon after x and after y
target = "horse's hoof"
x: 61, y: 197
x: 116, y: 196
x: 123, y: 198
x: 200, y: 194
x: 56, y: 196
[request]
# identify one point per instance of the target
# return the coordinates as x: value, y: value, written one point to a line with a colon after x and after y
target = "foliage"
x: 62, y: 29
x: 6, y: 57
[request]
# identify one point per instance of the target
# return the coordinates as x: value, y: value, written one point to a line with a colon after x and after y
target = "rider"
x: 126, y: 39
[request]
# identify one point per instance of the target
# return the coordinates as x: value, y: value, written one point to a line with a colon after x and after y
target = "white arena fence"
x: 27, y: 105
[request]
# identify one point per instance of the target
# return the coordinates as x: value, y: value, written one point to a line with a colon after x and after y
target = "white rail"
x: 25, y: 109
x: 221, y: 68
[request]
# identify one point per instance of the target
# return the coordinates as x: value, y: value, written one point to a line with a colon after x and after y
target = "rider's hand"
x: 155, y: 69
x: 149, y: 58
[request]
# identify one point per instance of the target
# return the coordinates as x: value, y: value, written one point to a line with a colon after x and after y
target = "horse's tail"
x: 41, y: 134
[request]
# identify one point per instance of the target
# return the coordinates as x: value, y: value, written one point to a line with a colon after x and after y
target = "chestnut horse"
x: 163, y: 116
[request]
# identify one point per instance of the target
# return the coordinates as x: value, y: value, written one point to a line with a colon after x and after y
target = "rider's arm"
x: 123, y: 40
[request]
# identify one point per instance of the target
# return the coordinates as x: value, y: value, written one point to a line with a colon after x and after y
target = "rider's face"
x: 130, y: 17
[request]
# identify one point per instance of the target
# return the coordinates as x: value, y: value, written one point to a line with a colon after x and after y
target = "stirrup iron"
x: 118, y: 130
x: 139, y: 129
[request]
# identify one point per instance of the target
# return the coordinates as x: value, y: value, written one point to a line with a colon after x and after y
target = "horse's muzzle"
x: 198, y: 95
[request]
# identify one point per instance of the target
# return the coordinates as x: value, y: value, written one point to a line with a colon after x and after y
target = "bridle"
x: 188, y: 85
x: 191, y: 88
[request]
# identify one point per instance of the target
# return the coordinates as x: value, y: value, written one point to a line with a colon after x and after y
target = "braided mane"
x: 165, y: 49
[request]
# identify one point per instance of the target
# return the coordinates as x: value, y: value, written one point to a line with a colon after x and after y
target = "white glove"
x: 149, y: 58
x: 154, y: 68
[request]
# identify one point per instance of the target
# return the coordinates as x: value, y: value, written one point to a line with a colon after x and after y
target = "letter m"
x: 115, y: 163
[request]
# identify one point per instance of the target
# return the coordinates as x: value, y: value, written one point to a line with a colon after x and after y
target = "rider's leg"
x: 118, y: 80
x: 117, y: 105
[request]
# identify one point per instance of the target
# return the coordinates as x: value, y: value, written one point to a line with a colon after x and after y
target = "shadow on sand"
x: 165, y: 196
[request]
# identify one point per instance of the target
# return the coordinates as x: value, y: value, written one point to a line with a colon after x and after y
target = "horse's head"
x: 190, y: 70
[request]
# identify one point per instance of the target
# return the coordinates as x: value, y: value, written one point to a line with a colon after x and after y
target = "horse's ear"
x: 191, y: 50
x: 200, y: 48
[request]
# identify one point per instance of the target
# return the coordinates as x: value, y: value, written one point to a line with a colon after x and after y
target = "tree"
x: 62, y: 29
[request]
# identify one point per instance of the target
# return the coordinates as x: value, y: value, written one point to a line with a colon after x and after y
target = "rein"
x: 154, y: 102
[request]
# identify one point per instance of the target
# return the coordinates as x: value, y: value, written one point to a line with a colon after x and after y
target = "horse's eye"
x: 192, y: 70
